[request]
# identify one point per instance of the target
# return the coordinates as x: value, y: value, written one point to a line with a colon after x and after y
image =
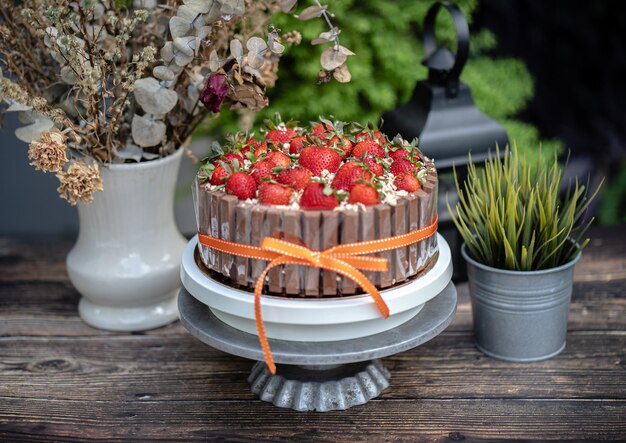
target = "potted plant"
x: 521, y: 245
x: 110, y: 92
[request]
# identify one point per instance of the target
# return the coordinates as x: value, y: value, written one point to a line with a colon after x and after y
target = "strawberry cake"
x: 332, y: 184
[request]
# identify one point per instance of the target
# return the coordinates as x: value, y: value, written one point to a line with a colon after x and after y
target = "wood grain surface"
x: 61, y: 380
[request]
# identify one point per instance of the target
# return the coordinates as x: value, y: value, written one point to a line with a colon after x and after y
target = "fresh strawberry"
x: 400, y: 153
x: 364, y: 193
x: 258, y: 148
x: 253, y: 143
x: 344, y: 144
x: 320, y: 129
x: 241, y: 185
x: 297, y: 178
x: 402, y: 165
x: 406, y: 182
x: 314, y: 197
x: 374, y: 135
x: 296, y: 144
x: 261, y: 170
x: 317, y: 158
x: 376, y: 168
x: 219, y: 176
x: 408, y: 153
x: 250, y: 144
x: 274, y: 194
x: 278, y: 159
x: 229, y: 158
x: 348, y: 175
x: 367, y: 147
x: 278, y: 137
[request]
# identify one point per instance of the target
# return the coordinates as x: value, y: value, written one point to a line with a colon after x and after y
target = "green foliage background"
x: 386, y: 37
x: 613, y: 206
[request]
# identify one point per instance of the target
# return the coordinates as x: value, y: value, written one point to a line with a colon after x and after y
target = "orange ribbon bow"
x: 344, y: 259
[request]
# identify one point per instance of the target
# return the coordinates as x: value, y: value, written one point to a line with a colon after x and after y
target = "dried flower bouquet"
x: 111, y: 81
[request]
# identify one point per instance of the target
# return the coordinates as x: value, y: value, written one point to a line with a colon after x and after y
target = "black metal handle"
x: 462, y: 34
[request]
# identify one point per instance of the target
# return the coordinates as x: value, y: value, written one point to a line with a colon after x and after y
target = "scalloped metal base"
x: 320, y: 388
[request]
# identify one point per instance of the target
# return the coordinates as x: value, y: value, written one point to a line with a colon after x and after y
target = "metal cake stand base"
x: 320, y: 388
x: 320, y: 376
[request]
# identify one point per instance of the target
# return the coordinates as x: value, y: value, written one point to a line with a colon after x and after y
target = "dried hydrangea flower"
x: 48, y: 153
x: 214, y: 92
x: 79, y: 182
x: 292, y: 38
x: 269, y: 73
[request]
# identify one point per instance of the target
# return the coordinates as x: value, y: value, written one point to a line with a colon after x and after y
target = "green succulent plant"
x: 510, y: 215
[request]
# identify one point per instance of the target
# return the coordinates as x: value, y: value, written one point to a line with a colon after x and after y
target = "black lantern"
x: 442, y: 114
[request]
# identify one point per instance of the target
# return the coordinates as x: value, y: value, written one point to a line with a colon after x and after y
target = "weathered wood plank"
x: 41, y: 309
x: 604, y: 258
x: 179, y: 368
x: 22, y: 260
x: 62, y: 380
x: 381, y: 420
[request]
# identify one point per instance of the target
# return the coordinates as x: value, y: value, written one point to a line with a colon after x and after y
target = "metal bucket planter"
x: 520, y: 316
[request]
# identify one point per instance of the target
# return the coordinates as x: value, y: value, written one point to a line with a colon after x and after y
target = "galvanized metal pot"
x: 520, y: 316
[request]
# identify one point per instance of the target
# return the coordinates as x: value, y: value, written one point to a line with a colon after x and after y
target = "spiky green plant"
x: 510, y: 215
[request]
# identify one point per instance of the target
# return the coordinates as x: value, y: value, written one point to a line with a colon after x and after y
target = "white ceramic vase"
x: 126, y: 261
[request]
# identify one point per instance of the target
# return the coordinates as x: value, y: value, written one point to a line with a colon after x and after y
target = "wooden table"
x: 62, y: 380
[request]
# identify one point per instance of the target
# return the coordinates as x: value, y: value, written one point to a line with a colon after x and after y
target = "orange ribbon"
x: 345, y: 259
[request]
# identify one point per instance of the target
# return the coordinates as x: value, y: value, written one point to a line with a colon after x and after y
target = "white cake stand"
x: 322, y: 319
x: 327, y: 350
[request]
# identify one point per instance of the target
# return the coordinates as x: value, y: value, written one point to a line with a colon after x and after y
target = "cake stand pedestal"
x: 320, y: 376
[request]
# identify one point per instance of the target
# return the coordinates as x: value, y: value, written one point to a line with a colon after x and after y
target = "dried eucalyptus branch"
x: 115, y: 81
x: 333, y: 59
